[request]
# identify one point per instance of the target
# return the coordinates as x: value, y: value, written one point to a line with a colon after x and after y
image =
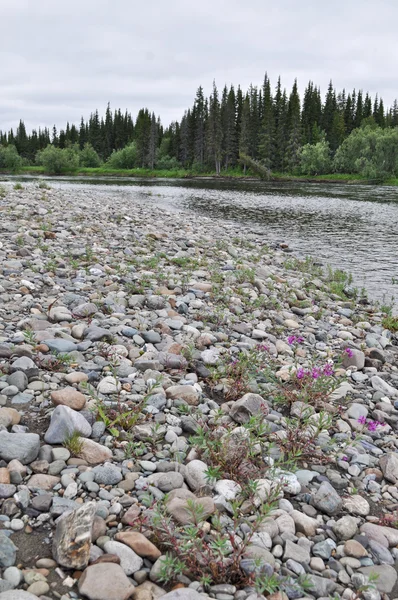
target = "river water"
x: 351, y: 227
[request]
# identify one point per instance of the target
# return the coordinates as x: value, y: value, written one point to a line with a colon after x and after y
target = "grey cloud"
x: 61, y: 60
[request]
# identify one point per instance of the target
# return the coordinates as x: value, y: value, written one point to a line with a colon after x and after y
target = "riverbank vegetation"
x: 259, y: 132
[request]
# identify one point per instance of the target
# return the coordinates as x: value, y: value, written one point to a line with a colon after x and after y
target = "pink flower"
x: 300, y: 373
x: 373, y: 425
x: 315, y: 373
x: 362, y: 420
x: 344, y: 458
x: 328, y: 370
x: 349, y: 352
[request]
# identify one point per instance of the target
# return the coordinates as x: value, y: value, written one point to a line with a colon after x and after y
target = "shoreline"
x: 147, y: 174
x: 131, y: 343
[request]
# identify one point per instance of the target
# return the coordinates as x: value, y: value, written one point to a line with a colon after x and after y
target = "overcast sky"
x: 61, y: 59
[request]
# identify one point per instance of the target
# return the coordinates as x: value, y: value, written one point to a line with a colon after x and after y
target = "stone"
x: 9, y: 414
x: 147, y: 591
x: 386, y: 536
x: 181, y: 594
x: 183, y: 392
x: 108, y: 474
x: 386, y: 577
x: 354, y: 549
x: 26, y: 365
x: 60, y: 345
x: 345, y: 528
x: 228, y: 488
x: 177, y: 506
x: 19, y: 380
x: 356, y: 505
x: 64, y: 422
x: 93, y: 452
x: 297, y: 553
x: 304, y: 524
x: 23, y: 447
x: 195, y: 475
x: 139, y: 543
x: 247, y: 406
x: 326, y: 499
x: 72, y: 538
x: 166, y: 481
x: 129, y: 560
x: 320, y: 587
x: 382, y: 386
x: 356, y: 410
x: 43, y: 482
x: 8, y: 551
x: 356, y: 358
x: 104, y: 581
x: 69, y: 397
x: 108, y: 385
x: 7, y: 490
x: 17, y: 595
x: 389, y: 466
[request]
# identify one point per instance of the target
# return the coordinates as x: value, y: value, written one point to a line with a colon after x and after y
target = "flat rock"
x: 139, y: 543
x: 23, y: 447
x: 69, y: 396
x: 104, y: 581
x: 387, y: 577
x: 183, y: 392
x: 129, y: 560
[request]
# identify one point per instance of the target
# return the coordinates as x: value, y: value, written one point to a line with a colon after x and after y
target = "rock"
x: 183, y: 392
x: 345, y: 528
x: 356, y: 358
x: 8, y: 551
x: 107, y: 474
x: 23, y: 447
x: 326, y: 499
x: 304, y: 524
x: 354, y: 549
x: 43, y: 482
x: 148, y: 591
x: 380, y: 385
x: 64, y: 422
x: 177, y: 506
x: 355, y: 411
x: 182, y: 594
x: 356, y: 505
x: 228, y: 488
x: 139, y: 543
x: 129, y: 560
x: 386, y: 536
x: 69, y: 397
x: 60, y: 345
x: 195, y: 475
x: 386, y: 577
x: 17, y: 595
x: 249, y: 405
x: 297, y: 553
x: 94, y: 453
x: 26, y: 365
x: 166, y: 481
x: 9, y: 415
x: 320, y: 587
x: 105, y: 581
x: 109, y: 385
x: 389, y: 465
x: 72, y: 538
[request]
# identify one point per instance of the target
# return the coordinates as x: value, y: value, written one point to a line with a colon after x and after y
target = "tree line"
x: 264, y: 126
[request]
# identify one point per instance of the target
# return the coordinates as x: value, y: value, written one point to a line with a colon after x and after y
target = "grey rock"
x: 8, y: 551
x: 389, y: 465
x: 21, y: 446
x: 26, y: 365
x: 64, y: 422
x: 182, y: 594
x: 17, y: 595
x: 129, y: 560
x: 386, y: 577
x: 166, y: 481
x: 60, y: 345
x: 108, y: 474
x: 72, y: 538
x: 247, y: 406
x: 18, y: 379
x: 326, y: 499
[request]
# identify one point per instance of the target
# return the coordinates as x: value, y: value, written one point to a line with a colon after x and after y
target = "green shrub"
x: 10, y: 159
x: 123, y: 159
x: 315, y: 159
x: 89, y: 158
x: 56, y: 161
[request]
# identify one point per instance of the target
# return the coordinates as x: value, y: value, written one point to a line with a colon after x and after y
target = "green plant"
x: 43, y: 185
x: 73, y: 443
x: 18, y: 186
x: 390, y: 323
x: 209, y: 559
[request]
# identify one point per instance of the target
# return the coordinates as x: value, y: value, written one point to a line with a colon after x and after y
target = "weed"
x: 73, y: 443
x: 390, y: 323
x: 18, y: 186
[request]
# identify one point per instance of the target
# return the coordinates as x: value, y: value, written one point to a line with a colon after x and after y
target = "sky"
x: 62, y: 59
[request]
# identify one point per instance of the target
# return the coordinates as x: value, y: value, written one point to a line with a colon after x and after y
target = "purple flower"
x: 262, y: 348
x: 300, y: 373
x: 315, y: 373
x: 291, y: 340
x: 328, y: 370
x: 349, y: 352
x: 373, y: 425
x: 362, y: 420
x: 344, y: 458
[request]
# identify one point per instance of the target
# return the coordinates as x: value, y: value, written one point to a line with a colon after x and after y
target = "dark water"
x: 352, y: 227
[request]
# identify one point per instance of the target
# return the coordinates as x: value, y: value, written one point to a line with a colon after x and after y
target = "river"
x: 350, y: 227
